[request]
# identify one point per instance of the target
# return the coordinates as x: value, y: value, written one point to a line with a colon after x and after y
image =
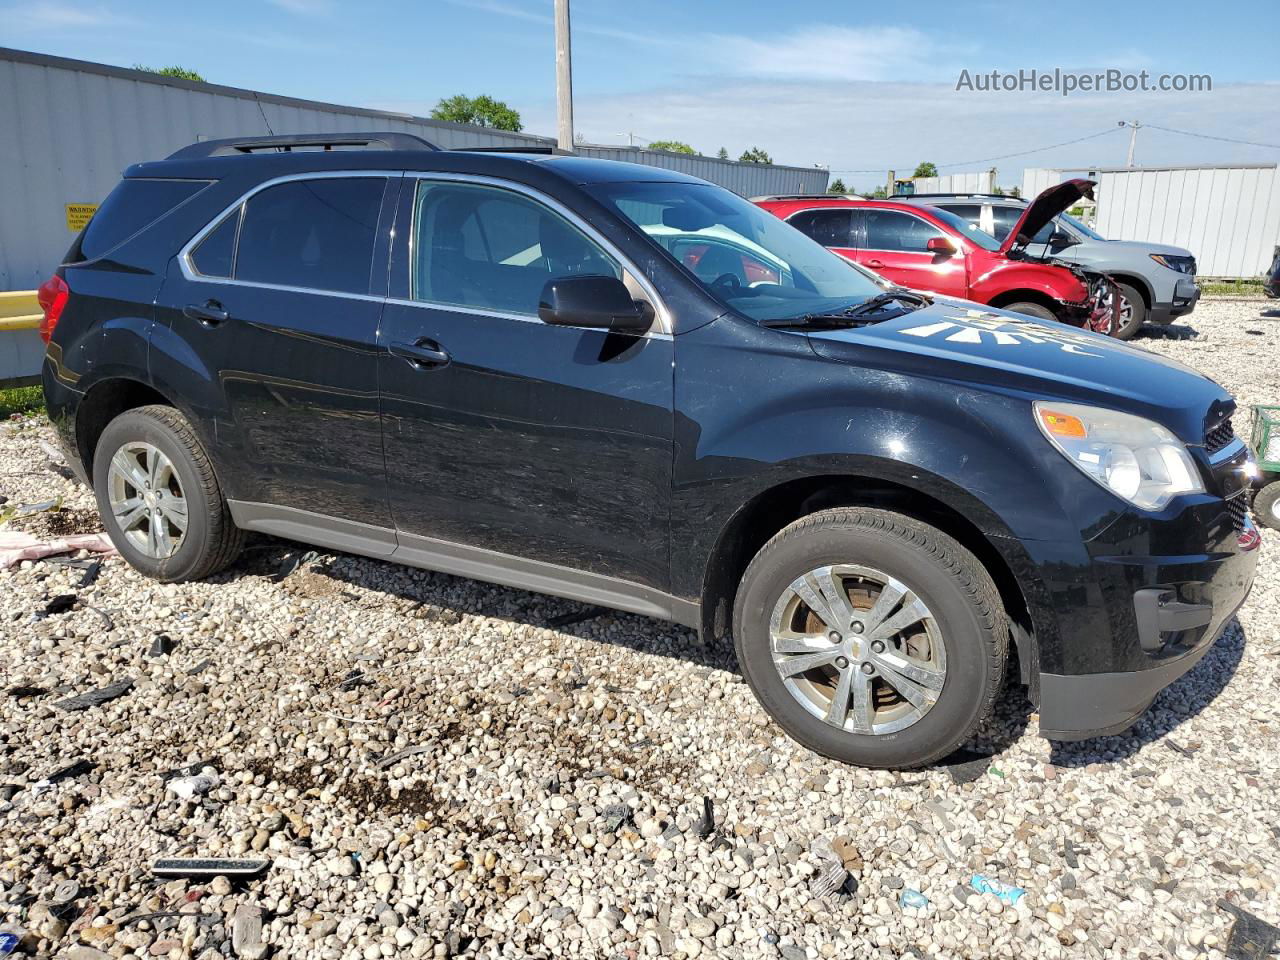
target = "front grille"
x: 1238, y: 507
x: 1219, y: 436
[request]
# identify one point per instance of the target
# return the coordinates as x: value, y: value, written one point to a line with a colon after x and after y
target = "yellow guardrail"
x: 19, y: 310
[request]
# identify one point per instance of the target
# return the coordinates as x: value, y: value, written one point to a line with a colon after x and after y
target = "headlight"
x: 1134, y: 458
x: 1175, y: 262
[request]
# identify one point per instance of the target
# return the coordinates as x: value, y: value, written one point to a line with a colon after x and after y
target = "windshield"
x: 746, y: 257
x: 968, y: 230
x: 1080, y: 227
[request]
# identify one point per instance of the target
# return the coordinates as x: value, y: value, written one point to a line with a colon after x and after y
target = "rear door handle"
x: 210, y: 313
x: 422, y: 354
x: 875, y: 264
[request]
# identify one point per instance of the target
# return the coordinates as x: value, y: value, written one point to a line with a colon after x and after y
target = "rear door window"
x: 316, y: 234
x: 828, y: 227
x: 131, y: 207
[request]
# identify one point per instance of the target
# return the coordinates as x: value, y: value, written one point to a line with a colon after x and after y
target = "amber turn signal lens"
x: 1062, y: 424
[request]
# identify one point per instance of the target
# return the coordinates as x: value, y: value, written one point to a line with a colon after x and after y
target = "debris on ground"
x: 16, y: 546
x: 966, y: 767
x: 161, y: 646
x: 913, y: 898
x: 206, y: 868
x: 62, y: 603
x: 1250, y: 937
x: 69, y: 772
x: 97, y: 697
x: 190, y: 787
x: 1004, y: 892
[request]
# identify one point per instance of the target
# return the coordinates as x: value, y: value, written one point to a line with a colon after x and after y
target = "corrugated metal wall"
x: 1229, y: 217
x: 982, y: 181
x: 68, y: 128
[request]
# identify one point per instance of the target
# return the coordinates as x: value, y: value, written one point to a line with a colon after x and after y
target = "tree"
x: 1016, y: 192
x: 755, y: 155
x: 837, y: 186
x: 182, y: 73
x: 880, y: 193
x: 926, y: 169
x: 675, y: 146
x: 722, y: 153
x: 481, y: 111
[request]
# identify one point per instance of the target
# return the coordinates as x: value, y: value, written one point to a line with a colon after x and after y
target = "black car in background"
x: 1271, y: 279
x: 498, y: 365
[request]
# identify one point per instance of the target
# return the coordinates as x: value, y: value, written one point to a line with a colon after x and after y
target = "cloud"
x: 831, y: 53
x: 55, y: 16
x: 309, y: 8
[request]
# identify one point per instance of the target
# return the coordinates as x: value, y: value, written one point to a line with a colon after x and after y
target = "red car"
x: 926, y: 248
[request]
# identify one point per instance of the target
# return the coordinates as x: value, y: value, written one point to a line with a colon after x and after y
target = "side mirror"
x: 941, y: 245
x: 1060, y: 238
x: 599, y: 303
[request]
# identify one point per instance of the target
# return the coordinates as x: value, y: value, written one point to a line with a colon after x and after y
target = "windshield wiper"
x: 857, y: 315
x: 881, y: 300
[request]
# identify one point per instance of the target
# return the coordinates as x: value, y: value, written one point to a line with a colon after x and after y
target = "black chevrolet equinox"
x: 633, y: 388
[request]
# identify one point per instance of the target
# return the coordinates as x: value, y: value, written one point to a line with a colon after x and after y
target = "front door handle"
x: 210, y: 313
x: 423, y: 354
x: 875, y: 264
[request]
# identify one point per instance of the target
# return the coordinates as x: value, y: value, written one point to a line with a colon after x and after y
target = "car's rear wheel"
x: 160, y: 501
x: 1133, y: 312
x: 870, y: 637
x: 1028, y: 309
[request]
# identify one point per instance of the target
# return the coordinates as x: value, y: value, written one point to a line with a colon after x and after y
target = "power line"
x: 1206, y: 136
x: 1004, y: 156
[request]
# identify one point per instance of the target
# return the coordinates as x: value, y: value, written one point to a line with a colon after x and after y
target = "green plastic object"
x: 1266, y: 436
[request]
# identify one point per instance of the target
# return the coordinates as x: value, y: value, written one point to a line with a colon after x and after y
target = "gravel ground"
x: 434, y: 768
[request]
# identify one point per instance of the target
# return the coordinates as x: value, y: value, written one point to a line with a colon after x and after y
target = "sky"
x: 859, y: 88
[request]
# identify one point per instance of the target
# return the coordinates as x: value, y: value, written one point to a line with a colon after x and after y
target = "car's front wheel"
x: 1037, y: 310
x: 160, y: 501
x: 1133, y: 312
x: 870, y: 637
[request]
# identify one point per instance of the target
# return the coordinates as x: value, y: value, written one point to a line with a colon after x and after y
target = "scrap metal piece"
x: 206, y: 868
x: 1250, y: 937
x: 97, y: 697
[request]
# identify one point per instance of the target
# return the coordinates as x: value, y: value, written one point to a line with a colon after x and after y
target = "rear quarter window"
x: 129, y: 209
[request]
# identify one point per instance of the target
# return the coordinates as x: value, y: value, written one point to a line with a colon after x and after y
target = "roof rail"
x: 239, y: 146
x: 807, y: 196
x: 547, y: 150
x: 962, y: 193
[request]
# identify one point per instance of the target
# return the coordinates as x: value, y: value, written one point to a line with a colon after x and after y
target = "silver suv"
x: 1157, y: 281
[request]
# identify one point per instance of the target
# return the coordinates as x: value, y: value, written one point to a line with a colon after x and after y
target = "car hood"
x: 1045, y: 207
x: 979, y: 347
x: 1141, y: 248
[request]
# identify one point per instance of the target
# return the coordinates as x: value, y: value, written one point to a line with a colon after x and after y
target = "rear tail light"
x: 52, y: 297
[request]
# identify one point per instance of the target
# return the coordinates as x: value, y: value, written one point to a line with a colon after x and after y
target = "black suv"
x: 627, y: 386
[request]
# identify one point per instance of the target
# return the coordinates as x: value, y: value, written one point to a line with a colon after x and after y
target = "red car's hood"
x: 1045, y: 207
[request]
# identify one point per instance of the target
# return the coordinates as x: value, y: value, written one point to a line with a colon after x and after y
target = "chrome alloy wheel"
x: 858, y: 649
x: 146, y: 500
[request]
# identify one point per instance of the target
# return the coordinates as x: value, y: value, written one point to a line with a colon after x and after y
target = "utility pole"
x: 1133, y: 126
x: 564, y: 78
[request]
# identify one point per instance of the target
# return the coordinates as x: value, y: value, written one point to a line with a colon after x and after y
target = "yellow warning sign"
x: 78, y: 215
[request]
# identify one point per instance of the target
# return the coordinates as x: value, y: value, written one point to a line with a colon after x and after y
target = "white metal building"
x: 69, y: 127
x: 1228, y: 216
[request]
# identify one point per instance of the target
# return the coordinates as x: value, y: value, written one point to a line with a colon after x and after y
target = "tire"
x: 957, y: 593
x: 1266, y: 505
x: 1125, y: 329
x: 1037, y: 310
x: 185, y: 483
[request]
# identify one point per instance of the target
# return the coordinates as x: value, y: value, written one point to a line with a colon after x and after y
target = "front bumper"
x: 1186, y: 295
x: 1166, y: 613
